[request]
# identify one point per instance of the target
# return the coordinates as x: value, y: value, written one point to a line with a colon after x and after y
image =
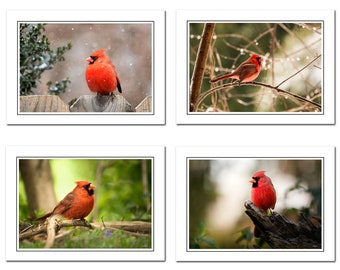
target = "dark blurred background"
x: 218, y: 189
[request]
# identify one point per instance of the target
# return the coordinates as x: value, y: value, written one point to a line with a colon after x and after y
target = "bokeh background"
x: 218, y: 189
x: 129, y: 46
x: 286, y: 49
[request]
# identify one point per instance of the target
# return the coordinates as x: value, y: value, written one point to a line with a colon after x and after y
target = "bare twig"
x: 298, y: 71
x: 197, y: 77
x: 42, y: 228
x: 213, y: 90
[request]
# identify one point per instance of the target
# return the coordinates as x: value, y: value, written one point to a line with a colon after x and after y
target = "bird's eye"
x: 256, y: 178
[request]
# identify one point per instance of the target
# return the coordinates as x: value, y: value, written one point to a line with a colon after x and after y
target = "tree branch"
x: 279, y: 232
x: 298, y: 71
x: 197, y: 76
x: 213, y: 90
x: 50, y: 226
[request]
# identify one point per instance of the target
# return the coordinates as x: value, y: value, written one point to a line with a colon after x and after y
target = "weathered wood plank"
x: 99, y: 103
x: 45, y: 103
x: 145, y: 105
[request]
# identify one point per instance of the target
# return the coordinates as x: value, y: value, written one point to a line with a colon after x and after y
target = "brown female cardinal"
x: 246, y: 72
x: 101, y: 75
x: 77, y: 204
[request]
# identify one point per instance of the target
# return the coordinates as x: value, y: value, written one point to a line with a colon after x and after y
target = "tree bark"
x: 38, y: 181
x: 202, y: 54
x: 279, y: 232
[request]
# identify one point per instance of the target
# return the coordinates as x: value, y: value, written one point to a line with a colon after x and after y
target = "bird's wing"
x: 246, y: 70
x: 64, y: 204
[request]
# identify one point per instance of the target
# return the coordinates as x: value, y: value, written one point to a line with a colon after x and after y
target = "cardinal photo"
x: 86, y: 67
x: 88, y: 203
x: 254, y: 204
x: 255, y: 67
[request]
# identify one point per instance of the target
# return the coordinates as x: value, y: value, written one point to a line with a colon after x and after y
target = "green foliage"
x: 84, y: 238
x: 36, y: 56
x: 246, y: 235
x: 200, y: 239
x: 121, y: 194
x: 248, y: 240
x: 58, y: 87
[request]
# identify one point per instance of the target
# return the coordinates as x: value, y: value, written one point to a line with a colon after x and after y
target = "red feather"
x: 101, y: 75
x: 263, y: 193
x: 77, y: 204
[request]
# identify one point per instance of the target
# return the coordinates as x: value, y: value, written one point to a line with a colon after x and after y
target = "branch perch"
x: 279, y: 232
x: 55, y: 223
x: 213, y: 90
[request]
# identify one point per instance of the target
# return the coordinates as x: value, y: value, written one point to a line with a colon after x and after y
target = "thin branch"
x: 53, y: 221
x: 213, y: 90
x: 197, y: 77
x: 300, y: 70
x: 287, y: 93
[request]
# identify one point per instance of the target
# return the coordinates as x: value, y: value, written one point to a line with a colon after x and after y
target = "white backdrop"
x: 169, y: 135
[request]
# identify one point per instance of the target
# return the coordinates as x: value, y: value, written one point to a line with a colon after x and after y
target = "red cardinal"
x: 263, y: 193
x: 101, y: 75
x: 77, y: 204
x: 246, y: 72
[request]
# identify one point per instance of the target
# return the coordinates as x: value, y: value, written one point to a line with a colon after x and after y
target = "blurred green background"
x: 124, y: 191
x: 120, y: 194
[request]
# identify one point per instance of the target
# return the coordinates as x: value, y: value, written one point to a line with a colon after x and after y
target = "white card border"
x: 182, y: 77
x: 156, y: 117
x: 255, y: 255
x: 156, y: 253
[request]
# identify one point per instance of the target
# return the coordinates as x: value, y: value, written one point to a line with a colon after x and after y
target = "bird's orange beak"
x: 89, y: 59
x: 92, y: 186
x: 252, y: 181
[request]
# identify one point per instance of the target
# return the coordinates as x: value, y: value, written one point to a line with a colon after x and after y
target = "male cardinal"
x: 263, y: 193
x: 77, y: 204
x: 246, y: 72
x: 101, y: 75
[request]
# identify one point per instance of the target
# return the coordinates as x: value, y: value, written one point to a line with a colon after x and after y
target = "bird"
x: 263, y: 195
x: 248, y: 71
x: 77, y: 204
x: 101, y: 75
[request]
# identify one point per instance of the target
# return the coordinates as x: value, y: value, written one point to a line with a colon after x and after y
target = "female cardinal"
x: 77, y: 204
x: 246, y: 72
x: 101, y: 76
x: 263, y: 193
